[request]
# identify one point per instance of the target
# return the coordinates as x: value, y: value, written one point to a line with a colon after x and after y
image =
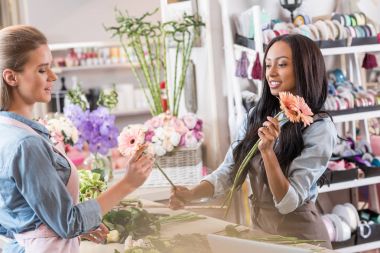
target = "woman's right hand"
x: 179, y: 197
x: 139, y: 168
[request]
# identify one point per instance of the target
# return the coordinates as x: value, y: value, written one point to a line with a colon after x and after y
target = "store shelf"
x: 330, y: 51
x: 356, y: 116
x: 132, y: 112
x: 92, y: 67
x: 65, y: 46
x: 360, y: 247
x: 349, y: 184
x: 350, y: 50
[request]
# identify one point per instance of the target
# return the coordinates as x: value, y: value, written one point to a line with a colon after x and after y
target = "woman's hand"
x: 268, y: 134
x: 98, y: 235
x: 139, y: 168
x: 179, y: 196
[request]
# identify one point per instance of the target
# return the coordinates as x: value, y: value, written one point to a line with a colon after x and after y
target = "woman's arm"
x: 139, y: 168
x: 39, y: 184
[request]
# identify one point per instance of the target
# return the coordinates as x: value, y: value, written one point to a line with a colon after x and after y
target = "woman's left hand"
x: 98, y: 235
x: 268, y: 134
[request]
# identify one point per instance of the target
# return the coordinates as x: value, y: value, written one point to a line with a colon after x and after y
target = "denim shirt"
x: 319, y: 141
x: 32, y: 185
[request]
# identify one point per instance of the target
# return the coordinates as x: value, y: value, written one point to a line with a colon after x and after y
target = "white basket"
x: 181, y: 157
x: 188, y: 175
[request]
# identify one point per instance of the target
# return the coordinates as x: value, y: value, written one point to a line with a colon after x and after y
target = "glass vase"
x: 101, y: 164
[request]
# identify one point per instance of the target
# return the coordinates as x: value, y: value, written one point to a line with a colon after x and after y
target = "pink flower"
x: 149, y: 135
x: 190, y: 120
x: 198, y: 135
x: 131, y: 139
x: 178, y: 125
x: 190, y: 140
x: 198, y: 125
x: 155, y: 122
x: 306, y: 113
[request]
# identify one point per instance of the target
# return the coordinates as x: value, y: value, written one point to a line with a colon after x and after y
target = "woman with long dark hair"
x: 292, y: 158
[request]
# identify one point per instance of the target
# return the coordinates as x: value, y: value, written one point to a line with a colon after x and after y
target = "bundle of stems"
x: 149, y: 43
x: 182, y: 217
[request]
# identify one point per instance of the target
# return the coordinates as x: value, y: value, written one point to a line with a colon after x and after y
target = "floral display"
x: 96, y: 128
x: 295, y: 110
x: 62, y: 130
x: 163, y: 133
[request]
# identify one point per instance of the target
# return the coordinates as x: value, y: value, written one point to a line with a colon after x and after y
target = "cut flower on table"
x: 295, y: 110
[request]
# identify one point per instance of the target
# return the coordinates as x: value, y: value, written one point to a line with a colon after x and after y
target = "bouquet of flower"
x: 62, y: 130
x: 96, y: 128
x: 295, y: 110
x: 162, y: 133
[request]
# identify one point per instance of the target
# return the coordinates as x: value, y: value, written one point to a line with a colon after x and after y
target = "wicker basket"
x: 181, y: 157
x: 183, y: 166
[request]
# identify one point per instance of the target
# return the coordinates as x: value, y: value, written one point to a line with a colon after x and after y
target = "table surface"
x: 204, y: 226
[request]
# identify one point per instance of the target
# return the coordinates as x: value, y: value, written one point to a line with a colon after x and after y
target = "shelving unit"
x: 59, y: 70
x: 350, y: 184
x: 93, y: 73
x: 349, y: 57
x: 360, y: 247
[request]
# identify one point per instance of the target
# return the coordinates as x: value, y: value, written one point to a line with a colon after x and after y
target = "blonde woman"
x: 38, y: 184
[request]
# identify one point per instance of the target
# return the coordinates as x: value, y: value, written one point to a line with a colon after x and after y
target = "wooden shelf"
x: 356, y: 116
x: 132, y: 112
x: 349, y: 184
x: 330, y: 51
x: 58, y: 70
x: 65, y: 46
x: 350, y: 50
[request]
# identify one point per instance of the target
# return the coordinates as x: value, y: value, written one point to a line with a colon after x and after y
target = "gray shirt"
x: 319, y: 141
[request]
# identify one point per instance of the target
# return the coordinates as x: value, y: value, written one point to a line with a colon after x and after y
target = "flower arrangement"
x: 163, y: 133
x: 96, y: 128
x: 61, y: 129
x: 295, y: 110
x: 148, y: 42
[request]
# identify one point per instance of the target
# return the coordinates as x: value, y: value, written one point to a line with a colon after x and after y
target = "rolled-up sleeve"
x: 39, y: 183
x: 319, y: 142
x: 221, y: 177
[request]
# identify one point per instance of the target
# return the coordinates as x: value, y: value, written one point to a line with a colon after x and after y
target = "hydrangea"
x: 96, y: 128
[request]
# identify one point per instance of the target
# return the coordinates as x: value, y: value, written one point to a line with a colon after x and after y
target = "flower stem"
x: 166, y: 176
x: 237, y: 179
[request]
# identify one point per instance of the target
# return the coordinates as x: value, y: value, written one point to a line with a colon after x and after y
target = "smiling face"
x: 34, y: 83
x: 279, y: 71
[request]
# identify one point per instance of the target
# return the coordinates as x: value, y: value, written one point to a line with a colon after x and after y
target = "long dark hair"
x: 311, y: 84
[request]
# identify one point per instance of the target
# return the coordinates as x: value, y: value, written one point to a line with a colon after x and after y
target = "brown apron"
x: 303, y: 223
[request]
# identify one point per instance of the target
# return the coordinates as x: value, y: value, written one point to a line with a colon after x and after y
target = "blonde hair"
x: 16, y: 42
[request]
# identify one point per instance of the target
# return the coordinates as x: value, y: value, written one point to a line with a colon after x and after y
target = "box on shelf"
x: 364, y: 41
x: 373, y: 234
x: 338, y: 176
x: 331, y: 43
x: 344, y: 244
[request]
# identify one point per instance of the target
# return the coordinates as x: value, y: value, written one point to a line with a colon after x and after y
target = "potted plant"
x: 148, y: 42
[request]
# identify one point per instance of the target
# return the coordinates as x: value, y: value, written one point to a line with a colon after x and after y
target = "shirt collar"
x: 32, y: 123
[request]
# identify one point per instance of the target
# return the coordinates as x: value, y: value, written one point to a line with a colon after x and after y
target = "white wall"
x: 81, y: 20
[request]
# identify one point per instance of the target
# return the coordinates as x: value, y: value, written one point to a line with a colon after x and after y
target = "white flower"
x: 190, y: 140
x: 159, y: 149
x: 175, y: 138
